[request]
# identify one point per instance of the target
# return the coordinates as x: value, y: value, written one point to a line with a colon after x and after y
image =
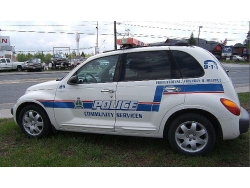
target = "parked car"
x: 181, y: 93
x: 237, y: 58
x: 77, y: 62
x: 33, y: 64
x: 60, y: 60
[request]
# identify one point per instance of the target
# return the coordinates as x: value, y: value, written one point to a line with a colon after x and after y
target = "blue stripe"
x: 87, y: 105
x: 64, y: 105
x: 204, y: 88
x: 155, y: 107
x: 144, y: 107
x: 195, y: 88
x: 158, y: 93
x: 48, y: 104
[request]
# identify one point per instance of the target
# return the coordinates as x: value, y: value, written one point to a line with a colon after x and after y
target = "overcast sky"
x: 40, y: 35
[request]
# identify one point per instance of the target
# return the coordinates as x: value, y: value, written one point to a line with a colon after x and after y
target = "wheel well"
x: 18, y: 111
x: 211, y: 117
x: 19, y: 66
x: 31, y: 103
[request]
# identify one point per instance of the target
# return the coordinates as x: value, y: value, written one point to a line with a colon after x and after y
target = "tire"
x: 19, y: 68
x: 34, y: 122
x: 192, y: 134
x: 53, y: 65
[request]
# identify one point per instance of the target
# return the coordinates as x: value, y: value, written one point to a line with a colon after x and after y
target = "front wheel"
x: 34, y: 122
x: 192, y: 134
x: 19, y: 68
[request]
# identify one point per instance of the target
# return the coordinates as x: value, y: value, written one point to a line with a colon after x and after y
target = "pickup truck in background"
x: 59, y: 60
x: 7, y: 64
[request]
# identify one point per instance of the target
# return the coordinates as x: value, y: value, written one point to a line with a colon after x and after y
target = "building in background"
x: 6, y: 50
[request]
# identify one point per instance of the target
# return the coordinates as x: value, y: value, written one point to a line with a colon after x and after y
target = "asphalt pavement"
x: 5, y: 113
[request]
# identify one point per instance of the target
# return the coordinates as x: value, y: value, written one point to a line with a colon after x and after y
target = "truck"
x: 7, y: 64
x: 60, y: 60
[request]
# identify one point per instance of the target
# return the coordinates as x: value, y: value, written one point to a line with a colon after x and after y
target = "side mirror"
x: 73, y: 80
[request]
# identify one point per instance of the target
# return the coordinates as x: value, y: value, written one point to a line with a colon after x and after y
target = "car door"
x: 2, y: 63
x: 85, y: 101
x: 149, y: 88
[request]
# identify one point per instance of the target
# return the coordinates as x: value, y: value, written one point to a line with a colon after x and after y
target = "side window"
x: 188, y: 65
x: 153, y: 65
x: 98, y: 71
x: 8, y: 60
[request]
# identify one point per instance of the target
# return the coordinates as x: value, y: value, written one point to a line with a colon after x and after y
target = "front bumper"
x: 244, y: 121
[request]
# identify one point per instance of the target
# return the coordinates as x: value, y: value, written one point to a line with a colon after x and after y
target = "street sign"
x: 227, y: 50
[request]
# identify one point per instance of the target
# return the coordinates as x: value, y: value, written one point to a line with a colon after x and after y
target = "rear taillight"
x: 231, y: 106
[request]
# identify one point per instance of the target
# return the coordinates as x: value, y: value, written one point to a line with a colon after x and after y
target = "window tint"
x: 147, y: 66
x: 188, y: 65
x: 98, y: 71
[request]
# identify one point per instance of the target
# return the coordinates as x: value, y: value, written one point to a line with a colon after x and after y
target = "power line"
x: 178, y: 29
x: 54, y: 25
x: 73, y: 33
x: 72, y: 49
x: 242, y: 23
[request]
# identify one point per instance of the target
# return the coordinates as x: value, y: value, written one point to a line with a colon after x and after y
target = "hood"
x: 50, y: 85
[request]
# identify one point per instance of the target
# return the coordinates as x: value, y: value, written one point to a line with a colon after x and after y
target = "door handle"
x: 108, y: 91
x: 172, y: 89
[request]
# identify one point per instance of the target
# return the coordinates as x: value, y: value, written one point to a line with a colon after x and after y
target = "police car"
x: 181, y: 93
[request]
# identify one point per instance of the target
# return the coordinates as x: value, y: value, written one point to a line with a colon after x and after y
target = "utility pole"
x: 77, y: 43
x: 0, y: 41
x: 96, y: 46
x: 199, y: 35
x: 249, y: 43
x: 115, y: 38
x: 97, y: 35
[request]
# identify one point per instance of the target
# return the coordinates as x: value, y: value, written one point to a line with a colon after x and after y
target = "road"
x: 239, y: 74
x: 14, y: 84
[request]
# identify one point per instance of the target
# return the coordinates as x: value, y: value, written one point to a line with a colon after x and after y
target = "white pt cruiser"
x: 181, y: 93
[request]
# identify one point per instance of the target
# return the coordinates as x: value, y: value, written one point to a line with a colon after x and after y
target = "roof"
x: 239, y: 45
x: 208, y: 45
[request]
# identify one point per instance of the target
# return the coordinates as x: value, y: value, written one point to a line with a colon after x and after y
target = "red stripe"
x: 149, y: 103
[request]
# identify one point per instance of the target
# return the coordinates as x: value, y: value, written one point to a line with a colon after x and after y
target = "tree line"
x: 47, y: 57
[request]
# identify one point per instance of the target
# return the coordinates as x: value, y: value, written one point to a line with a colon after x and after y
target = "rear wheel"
x: 192, y: 134
x: 34, y: 122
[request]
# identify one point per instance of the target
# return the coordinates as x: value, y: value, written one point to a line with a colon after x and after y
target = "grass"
x: 245, y: 100
x: 66, y: 149
x: 235, y: 62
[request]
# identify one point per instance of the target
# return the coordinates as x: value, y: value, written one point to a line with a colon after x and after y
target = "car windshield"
x: 61, y: 55
x: 34, y: 61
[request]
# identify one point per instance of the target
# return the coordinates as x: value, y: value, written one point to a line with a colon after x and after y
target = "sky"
x: 34, y: 36
x: 43, y: 27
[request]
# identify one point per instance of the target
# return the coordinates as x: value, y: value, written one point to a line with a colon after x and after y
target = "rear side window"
x: 188, y: 65
x: 153, y: 65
